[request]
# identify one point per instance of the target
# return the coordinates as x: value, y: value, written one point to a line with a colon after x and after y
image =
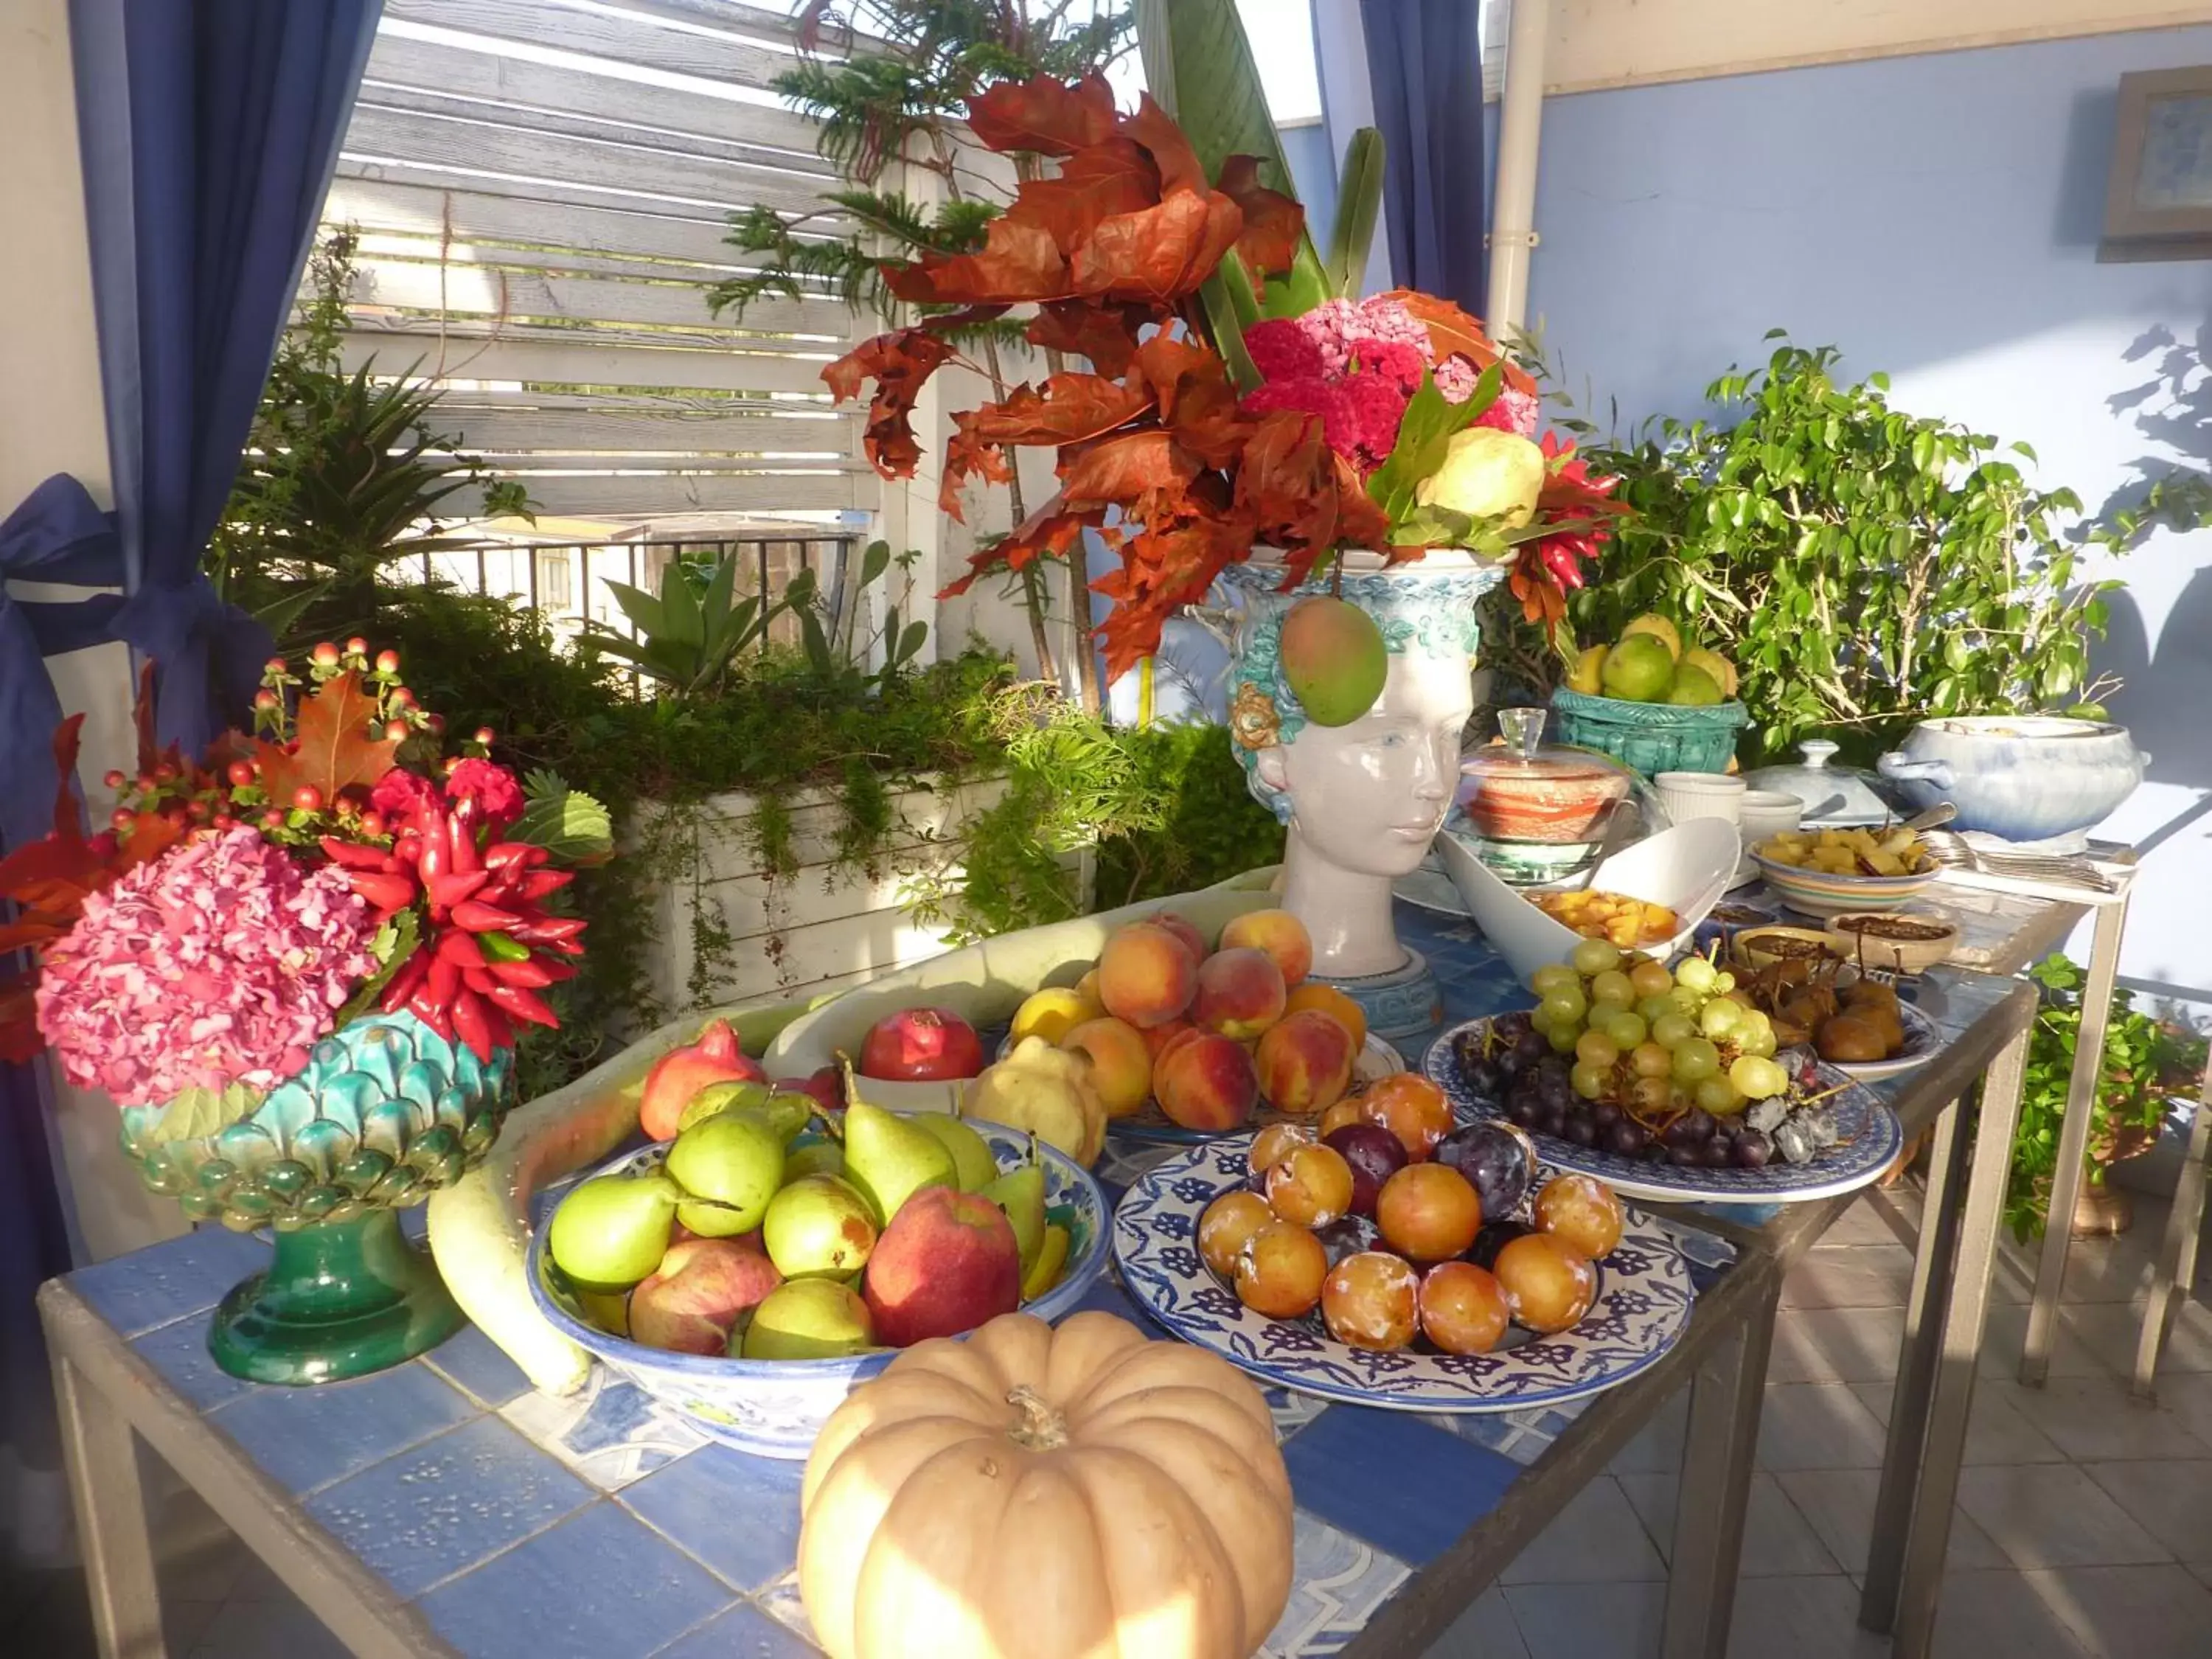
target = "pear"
x: 889, y: 1159
x: 812, y: 1154
x: 718, y: 1098
x: 734, y: 1160
x: 788, y: 1111
x: 818, y: 1228
x: 1020, y: 1193
x: 808, y: 1319
x: 610, y: 1232
x: 973, y: 1164
x: 1044, y: 1273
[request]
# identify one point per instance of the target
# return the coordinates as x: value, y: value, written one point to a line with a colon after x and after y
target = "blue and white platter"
x: 1642, y: 1306
x: 1871, y: 1141
x: 1923, y: 1038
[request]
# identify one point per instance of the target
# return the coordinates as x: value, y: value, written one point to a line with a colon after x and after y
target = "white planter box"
x: 826, y: 925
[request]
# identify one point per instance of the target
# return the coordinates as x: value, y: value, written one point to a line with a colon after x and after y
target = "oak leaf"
x: 1104, y: 332
x: 337, y: 744
x: 900, y: 363
x: 1159, y: 255
x: 1043, y: 116
x: 1273, y: 221
x: 1156, y: 130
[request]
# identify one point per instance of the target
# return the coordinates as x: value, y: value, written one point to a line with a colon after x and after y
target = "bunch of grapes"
x: 1626, y: 1056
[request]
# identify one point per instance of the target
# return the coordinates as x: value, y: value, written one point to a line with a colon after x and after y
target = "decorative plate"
x: 1150, y: 1126
x: 1924, y: 1038
x: 1871, y: 1141
x: 1642, y: 1306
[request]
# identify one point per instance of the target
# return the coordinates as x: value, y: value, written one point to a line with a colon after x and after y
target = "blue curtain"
x: 1425, y: 67
x: 209, y: 130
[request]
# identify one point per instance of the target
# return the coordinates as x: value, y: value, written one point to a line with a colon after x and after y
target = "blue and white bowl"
x: 2023, y: 777
x: 775, y: 1408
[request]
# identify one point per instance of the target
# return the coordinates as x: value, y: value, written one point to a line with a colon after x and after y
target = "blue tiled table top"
x: 524, y: 1526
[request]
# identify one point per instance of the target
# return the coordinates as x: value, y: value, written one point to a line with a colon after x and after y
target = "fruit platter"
x: 1669, y: 1083
x: 1409, y: 1266
x: 773, y: 1254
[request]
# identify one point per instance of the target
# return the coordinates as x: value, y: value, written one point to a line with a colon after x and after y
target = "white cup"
x: 1762, y: 813
x: 1688, y: 795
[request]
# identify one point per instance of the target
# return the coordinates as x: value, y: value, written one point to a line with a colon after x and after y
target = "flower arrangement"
x: 1241, y: 398
x: 241, y: 906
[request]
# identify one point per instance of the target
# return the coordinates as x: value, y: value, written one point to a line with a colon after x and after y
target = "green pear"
x: 611, y: 1231
x: 733, y: 1159
x: 973, y: 1164
x: 719, y: 1097
x: 788, y: 1111
x: 812, y: 1154
x: 818, y: 1228
x: 807, y: 1319
x: 890, y: 1160
x: 1020, y: 1193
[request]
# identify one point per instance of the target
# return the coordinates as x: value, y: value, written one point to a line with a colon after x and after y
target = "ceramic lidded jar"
x: 2024, y: 777
x: 1835, y: 797
x: 1535, y: 813
x: 1362, y: 801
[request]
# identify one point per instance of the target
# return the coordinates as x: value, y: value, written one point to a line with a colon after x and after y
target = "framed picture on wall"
x: 2158, y: 204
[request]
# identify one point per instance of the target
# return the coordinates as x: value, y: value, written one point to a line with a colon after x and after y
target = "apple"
x: 921, y: 1045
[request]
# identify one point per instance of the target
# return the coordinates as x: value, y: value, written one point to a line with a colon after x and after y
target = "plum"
x: 1496, y: 1158
x: 1375, y: 1155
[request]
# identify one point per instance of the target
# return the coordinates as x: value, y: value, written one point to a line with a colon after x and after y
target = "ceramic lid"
x: 1835, y: 797
x: 1521, y: 760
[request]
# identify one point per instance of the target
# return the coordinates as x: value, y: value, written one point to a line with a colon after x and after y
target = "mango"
x: 1333, y: 660
x: 1487, y: 474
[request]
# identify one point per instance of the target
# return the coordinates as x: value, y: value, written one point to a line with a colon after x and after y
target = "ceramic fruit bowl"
x: 1685, y: 868
x: 1818, y: 893
x: 1757, y: 947
x: 775, y: 1408
x: 1895, y: 942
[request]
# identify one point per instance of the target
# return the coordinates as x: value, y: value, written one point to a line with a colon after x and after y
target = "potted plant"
x: 1251, y: 424
x: 297, y: 964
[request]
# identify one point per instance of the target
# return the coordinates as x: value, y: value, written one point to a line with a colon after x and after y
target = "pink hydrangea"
x: 221, y: 962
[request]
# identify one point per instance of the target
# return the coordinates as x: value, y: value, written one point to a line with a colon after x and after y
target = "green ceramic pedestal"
x: 341, y: 1299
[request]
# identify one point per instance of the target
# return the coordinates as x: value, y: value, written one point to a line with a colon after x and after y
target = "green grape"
x: 1687, y: 1000
x: 1652, y: 1009
x: 1652, y: 1095
x: 1756, y: 1040
x: 1651, y: 979
x: 1596, y: 1048
x: 1555, y: 976
x: 1672, y: 1030
x: 1697, y: 974
x: 1611, y: 987
x: 1587, y: 1080
x: 1562, y: 1038
x: 1724, y: 982
x: 1596, y: 956
x: 1566, y: 1006
x: 1718, y: 1095
x: 1696, y: 1059
x: 1649, y: 1060
x: 1720, y: 1019
x: 1625, y: 1030
x: 1757, y: 1078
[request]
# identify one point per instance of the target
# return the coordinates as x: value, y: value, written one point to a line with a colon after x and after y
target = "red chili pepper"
x: 531, y: 975
x: 549, y: 930
x: 384, y: 893
x: 567, y: 947
x: 523, y: 1004
x: 450, y: 889
x: 404, y: 979
x: 460, y: 950
x: 433, y: 858
x: 484, y: 918
x: 461, y: 833
x: 539, y: 883
x: 478, y: 979
x: 502, y: 1029
x: 500, y: 855
x: 432, y: 1015
x: 470, y: 1025
x: 353, y: 856
x: 444, y: 981
x: 556, y: 971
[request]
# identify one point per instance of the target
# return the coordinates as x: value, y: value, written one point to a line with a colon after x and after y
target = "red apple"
x: 701, y: 1289
x: 921, y: 1045
x: 947, y: 1262
x: 827, y: 1086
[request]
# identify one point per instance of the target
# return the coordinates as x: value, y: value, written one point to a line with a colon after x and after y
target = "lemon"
x: 1660, y: 629
x: 1694, y: 688
x: 1722, y: 670
x: 1639, y: 670
x: 1588, y: 675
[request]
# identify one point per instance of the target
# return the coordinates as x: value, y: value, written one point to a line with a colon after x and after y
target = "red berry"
x: 114, y: 779
x: 241, y: 774
x: 274, y: 665
x: 397, y: 730
x: 224, y: 821
x: 264, y: 699
x: 122, y: 819
x: 387, y: 662
x: 437, y: 723
x: 198, y: 811
x: 146, y: 780
x: 165, y: 773
x: 402, y: 697
x: 357, y: 647
x: 486, y: 735
x: 308, y: 797
x: 324, y: 655
x: 274, y: 817
x: 372, y: 824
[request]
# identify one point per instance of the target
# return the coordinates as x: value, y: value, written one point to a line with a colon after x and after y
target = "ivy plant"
x: 1864, y: 568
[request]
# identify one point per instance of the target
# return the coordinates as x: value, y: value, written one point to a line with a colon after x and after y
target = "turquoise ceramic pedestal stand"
x: 342, y: 1299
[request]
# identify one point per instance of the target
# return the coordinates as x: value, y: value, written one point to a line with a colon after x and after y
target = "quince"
x: 1487, y: 474
x: 1588, y: 675
x: 1046, y: 1091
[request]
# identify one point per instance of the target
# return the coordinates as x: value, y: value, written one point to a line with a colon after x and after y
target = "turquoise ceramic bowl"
x: 775, y: 1408
x: 1651, y: 737
x: 1818, y: 893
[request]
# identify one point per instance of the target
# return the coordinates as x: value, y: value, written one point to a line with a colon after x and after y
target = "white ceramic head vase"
x: 1362, y: 801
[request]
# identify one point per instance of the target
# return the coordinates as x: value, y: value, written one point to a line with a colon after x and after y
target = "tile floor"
x: 2084, y: 1528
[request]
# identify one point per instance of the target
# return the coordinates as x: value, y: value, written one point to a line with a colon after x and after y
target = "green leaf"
x: 1228, y: 330
x: 682, y: 620
x: 198, y: 1113
x: 874, y: 561
x: 1358, y: 201
x: 1425, y: 436
x: 394, y: 942
x: 911, y: 641
x: 566, y: 822
x: 640, y: 607
x: 714, y: 610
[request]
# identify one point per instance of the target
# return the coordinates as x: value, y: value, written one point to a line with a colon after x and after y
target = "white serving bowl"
x: 1685, y: 868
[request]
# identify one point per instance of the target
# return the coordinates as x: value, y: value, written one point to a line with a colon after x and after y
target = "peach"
x: 1327, y: 1000
x: 1207, y: 1082
x: 1120, y: 1063
x: 1278, y: 933
x: 1186, y: 930
x: 1240, y: 993
x: 700, y: 1292
x: 1304, y: 1063
x: 1161, y: 1037
x: 1087, y: 988
x: 1146, y: 976
x: 1350, y: 1109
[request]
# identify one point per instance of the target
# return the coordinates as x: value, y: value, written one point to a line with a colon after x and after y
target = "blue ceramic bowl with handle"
x: 775, y: 1408
x: 2024, y: 777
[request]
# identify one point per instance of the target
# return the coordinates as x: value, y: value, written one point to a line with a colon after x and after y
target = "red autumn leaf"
x: 20, y: 1040
x: 1273, y: 221
x: 1048, y: 532
x: 1160, y: 255
x: 338, y: 743
x: 1193, y: 393
x: 1452, y: 329
x: 1156, y: 130
x: 900, y: 363
x: 1072, y: 409
x: 1043, y: 116
x: 1115, y: 177
x: 1163, y: 568
x: 1105, y: 333
x: 1127, y: 469
x: 1019, y: 260
x: 965, y: 456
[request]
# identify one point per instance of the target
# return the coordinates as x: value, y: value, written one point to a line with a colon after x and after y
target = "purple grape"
x: 1511, y: 1027
x: 1692, y: 1130
x: 1717, y: 1153
x: 1581, y: 1132
x: 1688, y: 1157
x: 1751, y: 1151
x: 1606, y: 1115
x: 1625, y: 1139
x: 1523, y: 1111
x: 1551, y: 1120
x: 1532, y: 1047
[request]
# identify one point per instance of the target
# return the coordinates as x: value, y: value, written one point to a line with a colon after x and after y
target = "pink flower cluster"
x: 1355, y: 364
x: 221, y: 962
x: 1512, y: 412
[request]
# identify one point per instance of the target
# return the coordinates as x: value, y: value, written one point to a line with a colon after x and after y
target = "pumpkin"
x: 1037, y: 1493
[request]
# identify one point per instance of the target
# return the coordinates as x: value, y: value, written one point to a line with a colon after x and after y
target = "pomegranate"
x: 921, y: 1045
x: 682, y: 1072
